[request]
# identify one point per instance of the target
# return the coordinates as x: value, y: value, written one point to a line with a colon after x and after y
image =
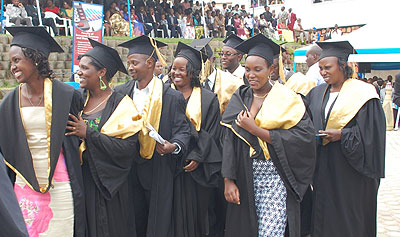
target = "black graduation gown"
x: 65, y: 100
x: 192, y: 190
x: 12, y: 222
x: 348, y: 171
x: 153, y: 178
x: 107, y: 162
x: 293, y: 154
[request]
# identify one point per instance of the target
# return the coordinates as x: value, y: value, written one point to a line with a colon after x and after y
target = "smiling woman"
x: 352, y: 152
x: 43, y: 163
x: 197, y: 172
x: 107, y: 144
x: 268, y: 152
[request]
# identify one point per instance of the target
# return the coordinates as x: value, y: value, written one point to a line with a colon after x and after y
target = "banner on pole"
x: 88, y: 23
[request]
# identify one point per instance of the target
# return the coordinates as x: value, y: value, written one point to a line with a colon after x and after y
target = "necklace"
x: 30, y: 101
x: 94, y: 109
x: 263, y: 96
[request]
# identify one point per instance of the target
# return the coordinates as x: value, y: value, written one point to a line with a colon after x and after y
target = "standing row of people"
x: 174, y: 158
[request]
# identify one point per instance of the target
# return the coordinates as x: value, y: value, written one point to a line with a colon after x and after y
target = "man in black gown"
x: 164, y: 109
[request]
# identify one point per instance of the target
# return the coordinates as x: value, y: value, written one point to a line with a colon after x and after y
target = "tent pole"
x: 204, y: 20
x: 39, y: 13
x: 129, y: 18
x: 253, y: 20
x: 2, y: 17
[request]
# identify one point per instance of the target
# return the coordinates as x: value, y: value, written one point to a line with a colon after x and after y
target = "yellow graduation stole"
x: 352, y: 96
x: 225, y: 85
x: 299, y: 83
x: 151, y: 115
x: 124, y: 122
x: 193, y: 107
x: 281, y: 109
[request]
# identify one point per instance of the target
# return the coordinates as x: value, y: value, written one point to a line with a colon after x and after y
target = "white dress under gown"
x: 52, y: 213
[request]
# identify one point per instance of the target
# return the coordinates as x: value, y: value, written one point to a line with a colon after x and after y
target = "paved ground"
x: 389, y: 191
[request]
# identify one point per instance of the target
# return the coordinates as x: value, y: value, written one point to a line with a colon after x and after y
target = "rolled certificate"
x: 154, y: 134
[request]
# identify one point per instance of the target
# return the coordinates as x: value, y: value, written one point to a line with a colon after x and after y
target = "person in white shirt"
x: 17, y: 13
x: 231, y: 58
x: 313, y: 55
x: 336, y: 33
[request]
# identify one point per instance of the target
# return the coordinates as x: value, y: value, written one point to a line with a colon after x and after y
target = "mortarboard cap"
x: 339, y: 49
x: 34, y: 37
x: 232, y: 41
x: 194, y: 56
x: 261, y: 46
x: 143, y: 45
x: 108, y: 57
x: 282, y: 49
x: 203, y: 46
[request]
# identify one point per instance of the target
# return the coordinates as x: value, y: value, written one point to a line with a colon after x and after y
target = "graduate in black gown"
x: 198, y: 172
x: 268, y: 151
x: 108, y: 126
x: 38, y: 91
x: 12, y: 222
x: 163, y: 108
x: 350, y: 122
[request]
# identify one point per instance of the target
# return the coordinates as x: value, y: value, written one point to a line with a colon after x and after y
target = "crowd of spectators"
x: 180, y: 19
x: 24, y: 12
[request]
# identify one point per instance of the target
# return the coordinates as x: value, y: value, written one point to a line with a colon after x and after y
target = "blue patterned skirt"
x: 270, y: 199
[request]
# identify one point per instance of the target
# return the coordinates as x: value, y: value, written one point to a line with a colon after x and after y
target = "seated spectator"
x: 185, y: 4
x: 163, y: 25
x: 138, y: 28
x: 336, y: 32
x: 243, y: 11
x: 224, y: 9
x: 67, y: 11
x: 187, y: 21
x: 17, y: 13
x: 198, y: 25
x: 327, y: 34
x: 300, y: 32
x: 165, y: 5
x: 142, y: 18
x: 210, y: 23
x: 248, y: 22
x: 124, y: 12
x: 236, y: 10
x: 238, y: 24
x: 219, y: 25
x: 32, y: 11
x: 229, y: 24
x: 197, y: 6
x: 315, y: 36
x: 106, y: 23
x: 52, y: 8
x: 173, y: 24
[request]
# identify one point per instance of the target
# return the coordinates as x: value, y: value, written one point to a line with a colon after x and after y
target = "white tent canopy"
x: 375, y: 43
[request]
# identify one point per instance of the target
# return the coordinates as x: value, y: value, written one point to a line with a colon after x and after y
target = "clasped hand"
x: 246, y: 121
x: 77, y: 126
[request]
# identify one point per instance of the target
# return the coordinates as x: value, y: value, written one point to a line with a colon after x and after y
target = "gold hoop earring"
x: 103, y: 85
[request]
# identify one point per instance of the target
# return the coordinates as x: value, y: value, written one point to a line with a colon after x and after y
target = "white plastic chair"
x: 66, y: 23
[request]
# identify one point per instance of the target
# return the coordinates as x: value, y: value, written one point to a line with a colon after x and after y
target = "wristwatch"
x: 177, y: 149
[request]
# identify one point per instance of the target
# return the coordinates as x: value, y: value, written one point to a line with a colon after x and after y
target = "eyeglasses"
x: 227, y: 54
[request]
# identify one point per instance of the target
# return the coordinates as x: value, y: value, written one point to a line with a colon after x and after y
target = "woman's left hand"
x: 191, y: 166
x: 246, y: 121
x: 77, y: 126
